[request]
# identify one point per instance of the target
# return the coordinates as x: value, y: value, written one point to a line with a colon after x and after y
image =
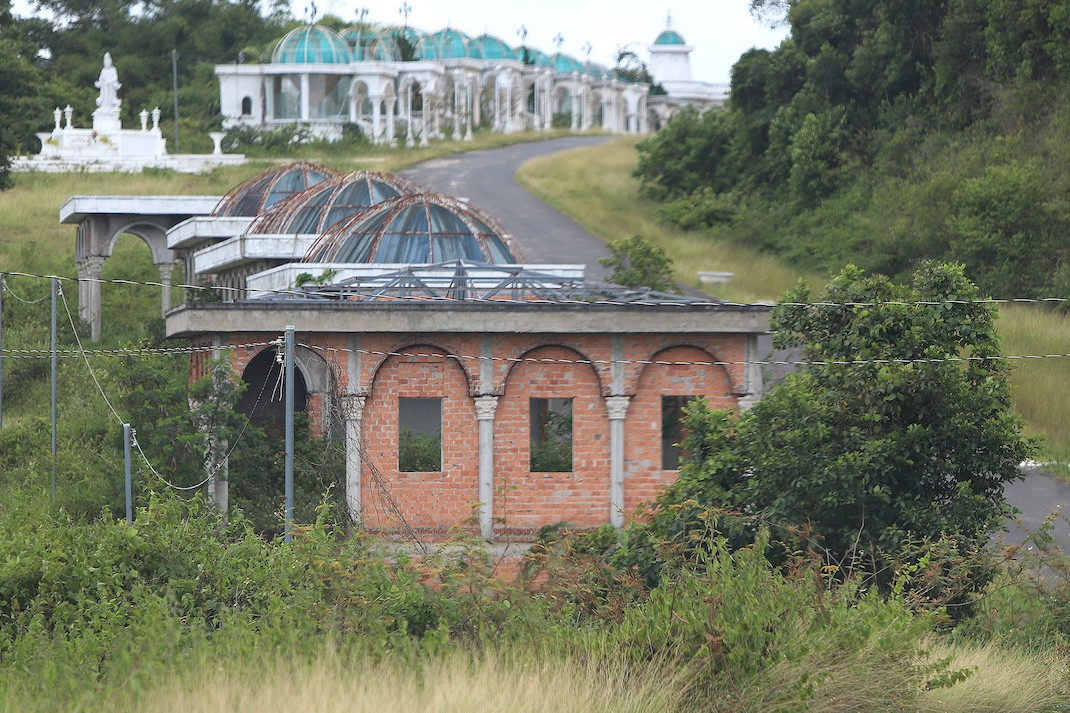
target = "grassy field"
x: 595, y: 186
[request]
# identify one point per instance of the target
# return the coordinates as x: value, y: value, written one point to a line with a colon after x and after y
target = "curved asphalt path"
x: 546, y: 235
x: 485, y: 178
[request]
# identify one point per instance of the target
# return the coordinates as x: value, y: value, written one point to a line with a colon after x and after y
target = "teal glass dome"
x: 311, y: 44
x: 420, y: 229
x: 598, y: 71
x: 316, y: 209
x: 532, y: 56
x: 669, y: 37
x: 371, y: 45
x: 405, y: 36
x: 257, y: 194
x: 488, y: 47
x: 563, y: 64
x: 445, y: 44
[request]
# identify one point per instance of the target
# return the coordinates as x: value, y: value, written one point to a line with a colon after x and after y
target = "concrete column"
x: 617, y: 407
x: 219, y: 481
x: 306, y: 110
x: 353, y: 411
x: 456, y: 108
x: 83, y: 290
x: 167, y: 270
x: 377, y: 108
x: 94, y: 267
x: 409, y: 141
x: 548, y: 117
x: 485, y: 407
x: 509, y: 128
x: 390, y: 122
x: 752, y: 374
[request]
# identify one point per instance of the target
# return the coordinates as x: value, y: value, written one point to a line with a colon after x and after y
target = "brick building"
x: 461, y: 379
x: 530, y: 405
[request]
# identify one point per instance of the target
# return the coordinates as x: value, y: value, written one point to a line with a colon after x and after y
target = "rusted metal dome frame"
x: 315, y: 209
x: 250, y: 197
x: 375, y: 223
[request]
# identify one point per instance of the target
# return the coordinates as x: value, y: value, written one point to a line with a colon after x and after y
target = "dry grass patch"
x: 1040, y: 385
x: 445, y: 684
x: 1002, y: 680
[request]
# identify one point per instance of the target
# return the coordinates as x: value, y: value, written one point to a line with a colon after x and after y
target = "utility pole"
x: 174, y: 90
x: 289, y: 358
x: 129, y: 484
x: 1, y: 350
x: 55, y: 285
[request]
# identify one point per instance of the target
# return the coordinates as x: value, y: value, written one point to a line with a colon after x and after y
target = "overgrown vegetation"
x: 884, y: 134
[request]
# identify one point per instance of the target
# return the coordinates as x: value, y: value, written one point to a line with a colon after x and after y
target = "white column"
x: 390, y: 122
x: 306, y: 111
x: 485, y: 407
x: 353, y: 411
x: 617, y: 408
x: 456, y: 108
x: 377, y: 108
x: 408, y: 116
x: 167, y: 270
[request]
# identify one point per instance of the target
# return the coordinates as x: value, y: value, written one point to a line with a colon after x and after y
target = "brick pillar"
x: 485, y: 407
x: 617, y: 408
x: 353, y: 411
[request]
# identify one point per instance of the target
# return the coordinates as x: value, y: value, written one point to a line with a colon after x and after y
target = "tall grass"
x: 449, y: 683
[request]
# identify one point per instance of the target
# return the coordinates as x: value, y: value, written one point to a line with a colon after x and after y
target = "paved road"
x: 547, y: 236
x: 486, y: 179
x: 1038, y: 496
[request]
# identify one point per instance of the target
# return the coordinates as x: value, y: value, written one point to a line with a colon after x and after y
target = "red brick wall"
x: 643, y: 476
x: 426, y: 501
x: 524, y: 500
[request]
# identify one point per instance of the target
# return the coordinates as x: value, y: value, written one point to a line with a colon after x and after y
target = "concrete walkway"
x: 486, y: 179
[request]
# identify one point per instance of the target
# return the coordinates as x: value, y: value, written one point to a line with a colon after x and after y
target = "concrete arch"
x: 659, y: 354
x: 314, y: 390
x: 422, y: 348
x: 516, y: 360
x: 152, y: 234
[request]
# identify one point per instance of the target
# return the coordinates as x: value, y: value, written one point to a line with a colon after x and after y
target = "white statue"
x: 109, y: 86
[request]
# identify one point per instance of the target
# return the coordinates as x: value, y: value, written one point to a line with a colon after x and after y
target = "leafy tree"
x: 887, y: 439
x: 636, y: 262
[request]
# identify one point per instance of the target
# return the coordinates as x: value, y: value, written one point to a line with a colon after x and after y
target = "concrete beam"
x: 467, y: 318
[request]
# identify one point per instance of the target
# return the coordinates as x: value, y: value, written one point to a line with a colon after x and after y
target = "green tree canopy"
x: 899, y: 430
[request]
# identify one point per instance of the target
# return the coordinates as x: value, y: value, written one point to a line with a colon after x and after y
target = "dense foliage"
x: 884, y: 133
x: 886, y: 441
x: 49, y: 64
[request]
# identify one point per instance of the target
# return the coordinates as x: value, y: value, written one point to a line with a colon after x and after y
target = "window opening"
x: 551, y: 435
x: 672, y: 430
x: 419, y: 435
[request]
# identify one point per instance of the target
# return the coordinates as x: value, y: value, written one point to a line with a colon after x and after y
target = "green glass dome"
x: 257, y: 194
x: 563, y: 64
x: 311, y: 44
x: 420, y: 229
x: 370, y: 44
x: 445, y: 44
x: 669, y: 37
x: 534, y: 57
x: 488, y: 47
x: 316, y: 209
x: 598, y: 71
